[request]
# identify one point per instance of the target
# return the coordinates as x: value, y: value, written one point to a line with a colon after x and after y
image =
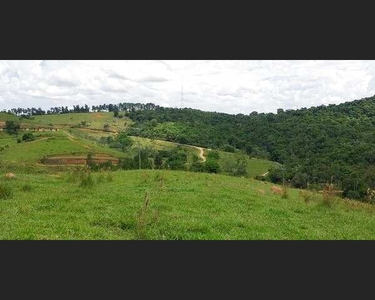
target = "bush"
x: 237, y: 167
x: 5, y: 192
x: 285, y: 194
x: 27, y: 137
x: 127, y: 164
x: 213, y: 155
x: 300, y: 180
x: 307, y: 196
x: 86, y: 180
x: 73, y: 175
x: 328, y: 195
x: 275, y: 175
x: 229, y: 148
x: 197, y: 167
x: 158, y: 161
x: 353, y: 194
x: 212, y: 166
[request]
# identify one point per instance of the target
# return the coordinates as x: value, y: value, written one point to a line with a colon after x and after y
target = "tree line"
x: 32, y: 111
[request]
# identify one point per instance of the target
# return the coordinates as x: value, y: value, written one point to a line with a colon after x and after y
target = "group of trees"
x: 173, y: 159
x: 12, y: 127
x: 52, y: 111
x: 124, y: 107
x: 127, y: 107
x: 121, y: 142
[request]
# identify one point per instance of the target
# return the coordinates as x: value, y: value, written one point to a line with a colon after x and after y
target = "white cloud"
x: 224, y: 86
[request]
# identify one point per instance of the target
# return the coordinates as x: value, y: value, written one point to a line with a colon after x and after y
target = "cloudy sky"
x: 223, y: 86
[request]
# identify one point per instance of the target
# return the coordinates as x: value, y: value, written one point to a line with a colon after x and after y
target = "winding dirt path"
x: 71, y: 137
x: 201, y: 153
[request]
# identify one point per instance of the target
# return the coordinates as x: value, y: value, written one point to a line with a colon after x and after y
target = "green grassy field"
x: 254, y: 167
x: 182, y: 206
x: 7, y: 117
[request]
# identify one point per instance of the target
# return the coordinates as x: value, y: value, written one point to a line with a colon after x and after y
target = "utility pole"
x: 182, y: 91
x: 139, y: 156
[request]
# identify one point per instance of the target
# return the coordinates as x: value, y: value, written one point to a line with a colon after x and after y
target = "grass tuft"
x: 6, y: 192
x: 26, y: 188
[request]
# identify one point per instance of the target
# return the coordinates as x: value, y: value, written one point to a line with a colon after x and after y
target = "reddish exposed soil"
x: 78, y: 160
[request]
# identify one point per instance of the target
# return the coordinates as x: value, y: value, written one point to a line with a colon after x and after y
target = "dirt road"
x: 201, y: 153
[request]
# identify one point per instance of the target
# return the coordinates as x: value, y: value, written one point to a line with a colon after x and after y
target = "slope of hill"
x: 316, y: 145
x: 172, y: 205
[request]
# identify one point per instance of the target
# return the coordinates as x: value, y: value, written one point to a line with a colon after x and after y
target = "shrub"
x: 300, y: 180
x: 213, y: 155
x: 328, y: 195
x: 237, y: 167
x: 127, y: 164
x: 159, y: 177
x: 307, y: 197
x: 212, y: 166
x: 5, y: 192
x: 229, y: 148
x: 353, y: 194
x: 73, y: 175
x: 285, y: 194
x: 197, y: 166
x: 87, y: 181
x: 145, y: 218
x: 28, y: 137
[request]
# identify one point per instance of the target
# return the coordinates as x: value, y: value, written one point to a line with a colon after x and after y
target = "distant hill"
x: 66, y: 140
x: 316, y: 145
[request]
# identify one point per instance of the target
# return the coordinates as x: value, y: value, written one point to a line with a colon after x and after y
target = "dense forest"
x: 319, y: 145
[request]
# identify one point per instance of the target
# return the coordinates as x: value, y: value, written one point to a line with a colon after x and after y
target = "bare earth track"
x: 201, y: 153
